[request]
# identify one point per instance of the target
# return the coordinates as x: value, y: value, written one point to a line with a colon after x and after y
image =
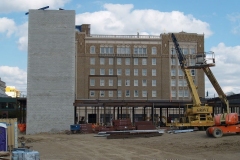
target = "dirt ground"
x: 182, y: 146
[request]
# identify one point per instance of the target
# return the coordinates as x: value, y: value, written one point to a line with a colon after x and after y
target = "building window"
x: 102, y: 93
x: 135, y: 61
x: 154, y: 72
x: 185, y: 82
x: 119, y: 82
x: 119, y: 92
x: 110, y: 71
x: 180, y: 82
x: 135, y: 72
x: 102, y: 61
x: 173, y: 72
x: 144, y: 82
x: 135, y: 82
x: 92, y: 50
x: 127, y: 82
x: 173, y: 61
x: 154, y: 93
x: 127, y: 61
x: 110, y: 61
x: 127, y: 72
x: 92, y: 82
x: 154, y: 83
x: 92, y: 71
x: 119, y: 72
x: 192, y: 72
x: 180, y: 72
x: 192, y: 62
x: 92, y: 93
x: 173, y: 93
x: 110, y: 82
x: 144, y: 93
x: 140, y: 50
x: 106, y: 50
x: 173, y: 82
x: 110, y: 93
x: 102, y: 82
x: 92, y: 61
x: 102, y: 71
x: 144, y: 72
x: 154, y: 50
x: 123, y: 50
x: 192, y: 51
x: 127, y: 93
x: 135, y: 93
x: 144, y: 61
x: 180, y: 93
x: 186, y: 94
x: 119, y: 61
x: 154, y: 61
x: 185, y: 50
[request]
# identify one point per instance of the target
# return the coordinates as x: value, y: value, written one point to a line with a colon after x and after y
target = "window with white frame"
x: 127, y: 61
x: 192, y: 51
x: 106, y: 50
x: 92, y: 82
x: 102, y: 71
x: 180, y: 93
x: 173, y: 82
x: 119, y: 82
x: 110, y: 61
x: 144, y: 82
x: 140, y: 50
x: 192, y: 62
x: 135, y: 82
x: 127, y: 93
x: 110, y: 71
x: 154, y: 82
x: 110, y: 93
x: 102, y: 82
x: 144, y: 72
x: 92, y: 50
x: 123, y: 50
x: 154, y: 72
x: 135, y: 93
x: 173, y: 51
x: 173, y: 93
x: 135, y: 72
x: 110, y: 82
x: 154, y: 61
x: 186, y: 93
x: 92, y: 61
x: 119, y: 93
x: 192, y: 72
x: 119, y: 61
x: 180, y: 82
x: 185, y: 50
x: 173, y: 61
x: 173, y: 72
x: 102, y: 93
x: 154, y: 93
x: 185, y: 82
x: 180, y: 72
x: 144, y: 61
x: 135, y: 61
x: 144, y: 93
x: 119, y: 72
x: 92, y: 71
x: 102, y: 61
x: 154, y: 50
x: 127, y: 82
x: 92, y: 93
x: 127, y: 72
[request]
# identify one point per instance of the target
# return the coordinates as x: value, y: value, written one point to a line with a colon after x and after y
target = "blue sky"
x: 218, y: 20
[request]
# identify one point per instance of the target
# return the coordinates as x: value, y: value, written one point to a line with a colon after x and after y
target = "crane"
x: 196, y: 114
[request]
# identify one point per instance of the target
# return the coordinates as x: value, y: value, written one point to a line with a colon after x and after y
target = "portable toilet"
x: 3, y: 137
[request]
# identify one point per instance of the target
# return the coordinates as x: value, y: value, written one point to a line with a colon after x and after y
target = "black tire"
x: 208, y: 134
x: 217, y: 133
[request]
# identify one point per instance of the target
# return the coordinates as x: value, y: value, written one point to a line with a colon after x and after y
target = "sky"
x: 218, y: 20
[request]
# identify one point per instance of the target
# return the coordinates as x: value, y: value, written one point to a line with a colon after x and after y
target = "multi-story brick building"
x: 134, y: 67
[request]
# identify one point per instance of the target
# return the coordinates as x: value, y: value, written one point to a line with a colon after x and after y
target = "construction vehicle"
x: 226, y: 122
x: 196, y: 114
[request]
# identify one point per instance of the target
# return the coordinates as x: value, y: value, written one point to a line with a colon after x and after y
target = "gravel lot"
x: 182, y: 146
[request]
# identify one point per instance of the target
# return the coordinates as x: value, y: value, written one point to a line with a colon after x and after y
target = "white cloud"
x: 7, y: 6
x: 13, y: 76
x: 235, y: 20
x: 22, y: 33
x: 124, y: 19
x: 226, y: 70
x: 7, y: 26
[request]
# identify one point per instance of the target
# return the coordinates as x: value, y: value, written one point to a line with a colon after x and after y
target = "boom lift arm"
x: 182, y: 62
